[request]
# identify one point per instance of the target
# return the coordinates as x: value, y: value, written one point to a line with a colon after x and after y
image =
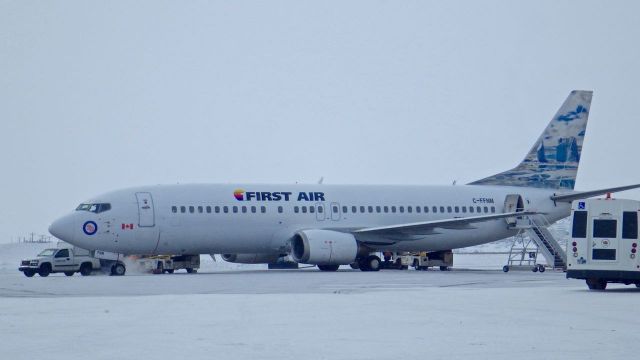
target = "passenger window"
x: 335, y: 209
x: 401, y: 208
x: 200, y: 209
x: 418, y: 209
x: 312, y: 209
x: 183, y: 209
x: 235, y: 209
x: 478, y: 209
x: 464, y: 209
x: 426, y: 209
x: 320, y: 209
x: 354, y: 209
x: 225, y: 209
x: 386, y: 209
x: 362, y: 209
x: 579, y: 228
x: 370, y: 208
x: 449, y: 209
x: 434, y: 209
x: 456, y: 209
x: 296, y: 209
x: 393, y: 209
x: 280, y: 209
x: 442, y: 209
x: 345, y: 209
x: 217, y: 209
x: 208, y: 209
x: 304, y: 209
x: 486, y: 209
x: 62, y: 253
x: 192, y: 209
x: 470, y: 209
x: 378, y: 209
x: 174, y: 209
x: 409, y: 209
x: 493, y: 209
x: 253, y: 209
x: 244, y: 209
x: 630, y: 225
x: 263, y: 209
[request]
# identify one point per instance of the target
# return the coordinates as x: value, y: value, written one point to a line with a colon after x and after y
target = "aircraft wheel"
x: 535, y: 269
x: 373, y: 263
x: 169, y: 271
x: 505, y: 268
x: 444, y: 268
x: 328, y: 267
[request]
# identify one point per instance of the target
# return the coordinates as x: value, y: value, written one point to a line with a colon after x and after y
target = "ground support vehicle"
x: 396, y: 260
x: 65, y: 259
x: 424, y: 260
x: 603, y: 247
x: 169, y: 263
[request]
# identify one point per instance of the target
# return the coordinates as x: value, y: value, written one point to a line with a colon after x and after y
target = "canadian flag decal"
x: 127, y: 226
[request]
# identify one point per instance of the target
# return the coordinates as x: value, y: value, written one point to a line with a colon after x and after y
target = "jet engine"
x: 250, y: 258
x: 324, y: 247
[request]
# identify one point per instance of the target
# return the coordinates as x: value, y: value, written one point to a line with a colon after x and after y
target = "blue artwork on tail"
x: 553, y: 160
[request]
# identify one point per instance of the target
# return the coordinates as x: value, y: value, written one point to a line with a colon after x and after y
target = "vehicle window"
x: 47, y: 252
x: 63, y: 253
x: 630, y: 225
x: 604, y: 228
x: 174, y: 209
x: 579, y: 228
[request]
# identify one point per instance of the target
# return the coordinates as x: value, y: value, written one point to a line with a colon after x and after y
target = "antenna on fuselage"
x: 321, y: 180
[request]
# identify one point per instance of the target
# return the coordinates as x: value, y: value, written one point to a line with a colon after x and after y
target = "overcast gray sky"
x: 100, y: 95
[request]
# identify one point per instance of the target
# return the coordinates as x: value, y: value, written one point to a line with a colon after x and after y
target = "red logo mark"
x: 127, y: 226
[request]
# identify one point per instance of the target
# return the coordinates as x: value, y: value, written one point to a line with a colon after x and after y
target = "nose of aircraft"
x: 63, y: 228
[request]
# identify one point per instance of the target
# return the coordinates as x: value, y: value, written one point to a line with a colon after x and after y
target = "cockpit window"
x: 94, y: 208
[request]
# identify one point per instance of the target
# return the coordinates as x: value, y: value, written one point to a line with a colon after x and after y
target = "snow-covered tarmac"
x: 473, y: 312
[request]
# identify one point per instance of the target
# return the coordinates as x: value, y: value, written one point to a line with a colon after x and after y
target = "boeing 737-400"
x: 333, y: 225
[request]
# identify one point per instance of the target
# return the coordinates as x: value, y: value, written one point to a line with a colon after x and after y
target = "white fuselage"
x: 208, y: 219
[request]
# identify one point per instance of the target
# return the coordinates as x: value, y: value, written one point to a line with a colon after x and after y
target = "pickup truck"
x: 65, y: 260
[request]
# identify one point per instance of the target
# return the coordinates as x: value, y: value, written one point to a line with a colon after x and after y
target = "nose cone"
x: 63, y: 228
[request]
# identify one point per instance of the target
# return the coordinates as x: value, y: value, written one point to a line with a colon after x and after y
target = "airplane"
x: 333, y: 225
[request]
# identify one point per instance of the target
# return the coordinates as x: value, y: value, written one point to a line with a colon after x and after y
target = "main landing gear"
x: 370, y: 263
x: 118, y: 269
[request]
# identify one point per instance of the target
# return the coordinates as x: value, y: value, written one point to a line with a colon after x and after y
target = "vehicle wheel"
x: 373, y: 263
x: 45, y: 270
x: 416, y: 264
x: 190, y: 270
x: 69, y: 273
x: 85, y: 269
x: 541, y: 268
x: 354, y: 265
x: 328, y: 267
x: 169, y: 271
x: 444, y: 268
x: 637, y: 284
x: 535, y: 269
x: 404, y: 267
x: 118, y: 269
x: 505, y: 268
x: 30, y: 273
x: 596, y: 284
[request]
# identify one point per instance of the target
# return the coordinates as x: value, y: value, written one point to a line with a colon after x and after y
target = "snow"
x: 235, y: 311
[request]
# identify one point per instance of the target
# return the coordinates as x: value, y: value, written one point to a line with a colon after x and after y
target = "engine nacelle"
x: 250, y: 258
x: 324, y: 247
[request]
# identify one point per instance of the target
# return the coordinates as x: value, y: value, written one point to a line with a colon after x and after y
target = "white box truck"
x: 603, y: 247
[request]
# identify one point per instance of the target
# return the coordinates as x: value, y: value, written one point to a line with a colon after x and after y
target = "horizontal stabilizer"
x: 587, y: 194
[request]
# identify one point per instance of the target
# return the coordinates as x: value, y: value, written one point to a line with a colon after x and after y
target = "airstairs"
x: 536, y: 228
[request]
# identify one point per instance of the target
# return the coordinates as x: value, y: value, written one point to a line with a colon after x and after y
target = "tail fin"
x: 553, y: 161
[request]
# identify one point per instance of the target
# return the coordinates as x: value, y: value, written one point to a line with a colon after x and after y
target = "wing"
x: 417, y: 230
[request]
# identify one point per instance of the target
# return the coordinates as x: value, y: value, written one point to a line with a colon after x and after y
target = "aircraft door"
x: 146, y: 214
x: 335, y: 211
x: 604, y: 242
x: 320, y: 214
x: 513, y: 203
